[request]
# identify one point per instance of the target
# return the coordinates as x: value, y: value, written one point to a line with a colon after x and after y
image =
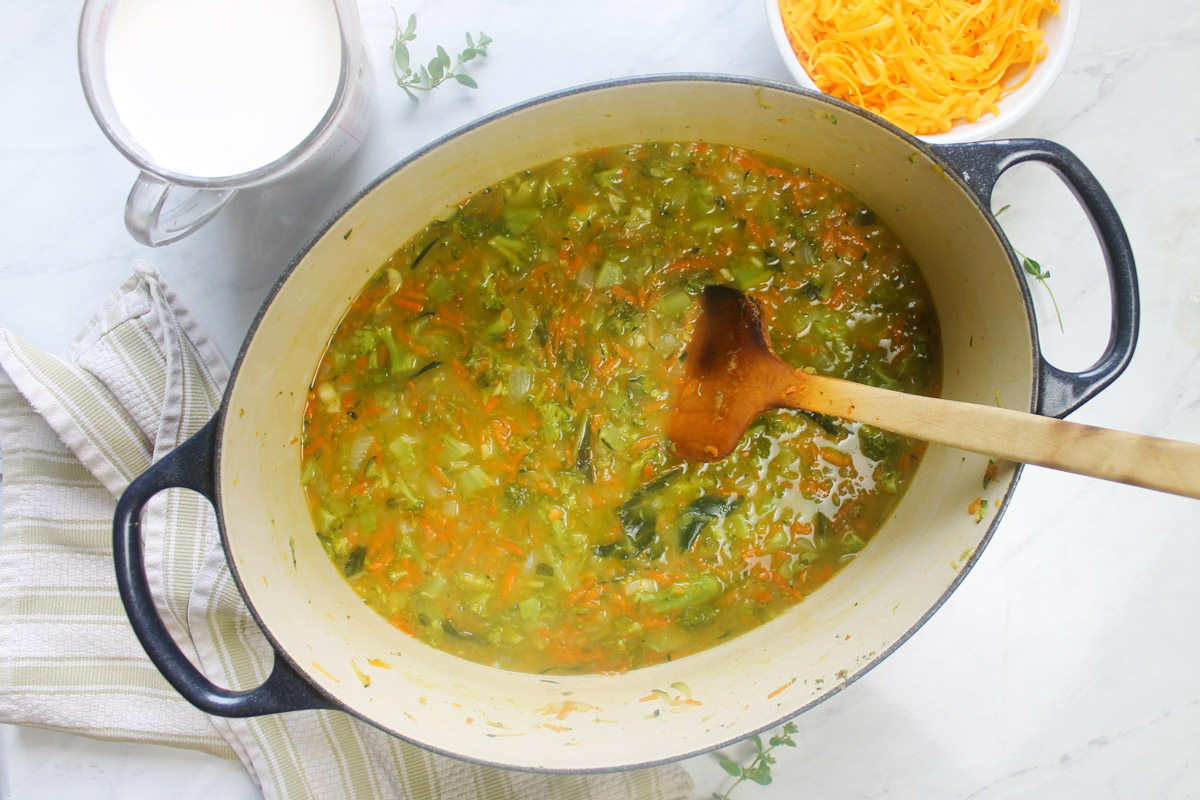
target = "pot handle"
x: 190, y: 466
x: 981, y: 164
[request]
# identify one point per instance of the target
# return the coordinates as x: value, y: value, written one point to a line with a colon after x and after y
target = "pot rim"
x: 928, y: 150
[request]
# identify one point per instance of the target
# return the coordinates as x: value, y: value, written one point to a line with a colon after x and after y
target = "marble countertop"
x: 1064, y: 666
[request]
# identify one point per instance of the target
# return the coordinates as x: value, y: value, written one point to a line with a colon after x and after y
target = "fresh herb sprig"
x: 1035, y: 271
x: 759, y: 769
x: 440, y: 68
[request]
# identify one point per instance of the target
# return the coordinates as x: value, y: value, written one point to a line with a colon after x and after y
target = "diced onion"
x: 520, y: 381
x: 357, y: 454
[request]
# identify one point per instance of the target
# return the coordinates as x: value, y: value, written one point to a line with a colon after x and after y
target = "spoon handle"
x: 1146, y: 461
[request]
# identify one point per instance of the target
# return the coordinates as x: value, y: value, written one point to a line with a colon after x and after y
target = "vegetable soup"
x: 484, y: 450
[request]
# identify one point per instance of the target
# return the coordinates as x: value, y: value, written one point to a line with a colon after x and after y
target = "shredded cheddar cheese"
x: 921, y: 64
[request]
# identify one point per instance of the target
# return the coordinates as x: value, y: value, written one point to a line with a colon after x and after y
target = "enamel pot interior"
x: 747, y: 684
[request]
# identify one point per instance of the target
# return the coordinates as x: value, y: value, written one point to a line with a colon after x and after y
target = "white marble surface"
x: 1065, y: 665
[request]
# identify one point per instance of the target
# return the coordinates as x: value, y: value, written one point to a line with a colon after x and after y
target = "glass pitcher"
x: 206, y: 99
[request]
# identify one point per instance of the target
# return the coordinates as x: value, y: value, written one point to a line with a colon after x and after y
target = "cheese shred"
x: 920, y: 64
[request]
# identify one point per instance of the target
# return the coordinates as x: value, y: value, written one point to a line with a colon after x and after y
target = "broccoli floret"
x: 517, y: 496
x: 623, y: 318
x: 694, y: 618
x: 555, y: 419
x: 577, y: 368
x: 875, y: 444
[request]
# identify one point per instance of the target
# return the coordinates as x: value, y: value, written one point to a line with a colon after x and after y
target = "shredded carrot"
x: 405, y: 303
x: 922, y: 65
x: 323, y: 672
x: 382, y: 562
x: 509, y: 547
x: 836, y: 457
x: 441, y: 476
x: 510, y: 580
x: 621, y: 293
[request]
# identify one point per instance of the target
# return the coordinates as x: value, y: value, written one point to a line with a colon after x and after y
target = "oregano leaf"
x: 440, y: 68
x: 760, y: 774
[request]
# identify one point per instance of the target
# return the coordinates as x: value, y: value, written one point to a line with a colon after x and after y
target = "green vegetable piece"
x: 440, y: 289
x: 821, y: 525
x: 583, y: 453
x: 609, y: 275
x: 702, y: 512
x: 656, y: 484
x: 355, y: 561
x: 554, y: 420
x: 825, y: 422
x: 518, y: 220
x: 702, y: 589
x: 425, y: 251
x: 432, y: 365
x: 674, y: 303
x: 693, y: 525
x: 389, y: 341
x: 817, y: 291
x: 749, y: 277
x: 608, y: 177
x: 887, y: 478
x: 713, y: 505
x: 501, y: 323
x: 643, y: 534
x: 638, y: 521
x: 606, y: 550
x: 529, y: 608
x: 694, y: 618
x: 513, y: 249
x: 451, y: 630
x: 517, y: 496
x: 875, y: 444
x: 472, y: 480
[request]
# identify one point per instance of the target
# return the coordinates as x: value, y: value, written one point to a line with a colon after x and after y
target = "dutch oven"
x: 246, y: 459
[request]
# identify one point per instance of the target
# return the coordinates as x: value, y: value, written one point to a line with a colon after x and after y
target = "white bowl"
x: 1058, y: 31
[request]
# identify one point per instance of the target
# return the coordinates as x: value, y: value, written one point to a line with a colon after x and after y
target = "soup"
x: 484, y: 450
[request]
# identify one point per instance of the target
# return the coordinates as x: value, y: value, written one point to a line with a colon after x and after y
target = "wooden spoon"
x: 732, y: 375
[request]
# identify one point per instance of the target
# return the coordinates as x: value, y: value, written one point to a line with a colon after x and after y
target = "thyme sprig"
x: 1034, y: 269
x: 759, y: 768
x: 1039, y: 274
x: 440, y: 68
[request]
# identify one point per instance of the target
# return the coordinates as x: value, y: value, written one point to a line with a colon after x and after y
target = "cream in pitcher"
x: 220, y: 95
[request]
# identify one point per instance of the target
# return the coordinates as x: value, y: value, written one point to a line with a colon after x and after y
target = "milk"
x: 213, y: 88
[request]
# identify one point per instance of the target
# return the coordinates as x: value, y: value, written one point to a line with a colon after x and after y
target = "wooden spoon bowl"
x: 732, y: 375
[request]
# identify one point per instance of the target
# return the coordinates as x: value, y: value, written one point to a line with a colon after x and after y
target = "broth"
x: 484, y: 452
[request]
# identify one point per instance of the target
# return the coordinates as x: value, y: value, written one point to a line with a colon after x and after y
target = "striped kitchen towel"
x: 140, y: 379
